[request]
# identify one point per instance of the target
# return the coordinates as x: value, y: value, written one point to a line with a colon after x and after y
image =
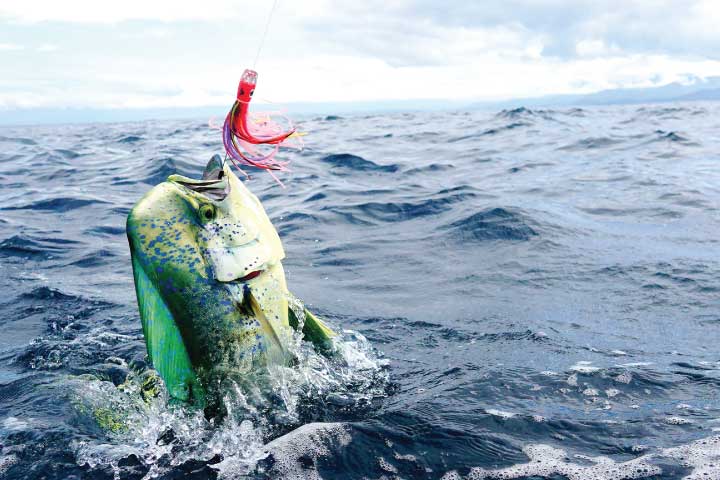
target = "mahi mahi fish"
x: 210, y: 284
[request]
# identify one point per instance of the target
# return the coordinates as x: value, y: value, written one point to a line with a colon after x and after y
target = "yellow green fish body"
x: 210, y: 284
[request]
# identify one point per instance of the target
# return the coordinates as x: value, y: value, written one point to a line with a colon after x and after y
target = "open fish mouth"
x: 241, y: 263
x: 247, y: 277
x: 213, y: 189
x: 213, y: 183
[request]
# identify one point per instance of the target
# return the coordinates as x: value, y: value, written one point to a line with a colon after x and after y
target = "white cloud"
x: 93, y: 11
x: 169, y: 53
x: 595, y: 48
x: 47, y: 47
x: 680, y: 27
x: 342, y: 78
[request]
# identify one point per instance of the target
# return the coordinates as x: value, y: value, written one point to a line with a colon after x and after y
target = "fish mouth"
x: 213, y: 184
x: 246, y: 278
x: 212, y: 189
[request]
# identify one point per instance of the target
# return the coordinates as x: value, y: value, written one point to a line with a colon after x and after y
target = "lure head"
x: 247, y: 85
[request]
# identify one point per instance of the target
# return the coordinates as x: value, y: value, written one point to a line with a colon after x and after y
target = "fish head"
x: 233, y: 231
x: 215, y: 217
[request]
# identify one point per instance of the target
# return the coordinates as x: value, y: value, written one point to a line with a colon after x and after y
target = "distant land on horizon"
x: 697, y: 90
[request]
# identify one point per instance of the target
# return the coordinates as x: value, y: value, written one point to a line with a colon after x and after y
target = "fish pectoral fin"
x: 264, y: 322
x: 165, y: 345
x: 314, y: 330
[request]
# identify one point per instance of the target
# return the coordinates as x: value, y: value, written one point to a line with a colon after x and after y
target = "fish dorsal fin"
x: 164, y: 342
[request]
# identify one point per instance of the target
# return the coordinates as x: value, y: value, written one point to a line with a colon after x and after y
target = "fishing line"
x: 267, y: 27
x: 248, y: 135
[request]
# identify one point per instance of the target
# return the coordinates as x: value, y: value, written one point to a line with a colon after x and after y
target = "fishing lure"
x: 245, y: 131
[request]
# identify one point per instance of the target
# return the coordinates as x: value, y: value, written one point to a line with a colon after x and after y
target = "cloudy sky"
x: 159, y: 53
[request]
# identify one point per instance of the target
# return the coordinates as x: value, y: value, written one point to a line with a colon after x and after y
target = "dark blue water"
x: 544, y: 286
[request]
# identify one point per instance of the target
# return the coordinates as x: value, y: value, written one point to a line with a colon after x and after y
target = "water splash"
x: 259, y: 431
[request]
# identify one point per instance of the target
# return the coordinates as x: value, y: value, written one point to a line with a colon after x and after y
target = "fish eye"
x: 207, y: 212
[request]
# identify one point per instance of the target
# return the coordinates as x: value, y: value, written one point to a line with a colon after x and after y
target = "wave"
x: 526, y: 113
x: 19, y: 140
x: 353, y: 162
x: 57, y: 174
x: 575, y: 112
x: 673, y: 137
x: 547, y: 461
x: 159, y: 169
x: 504, y: 128
x: 48, y: 293
x: 632, y: 211
x: 154, y: 171
x: 493, y: 224
x: 370, y: 212
x: 529, y: 166
x: 295, y: 221
x: 591, y: 143
x: 23, y: 245
x: 62, y: 319
x: 106, y: 230
x: 491, y: 132
x: 315, y: 197
x: 94, y: 259
x: 67, y: 153
x: 75, y: 338
x: 670, y: 113
x: 432, y: 168
x: 59, y: 204
x: 130, y: 139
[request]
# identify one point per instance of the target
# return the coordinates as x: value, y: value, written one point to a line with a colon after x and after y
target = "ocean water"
x: 524, y: 294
